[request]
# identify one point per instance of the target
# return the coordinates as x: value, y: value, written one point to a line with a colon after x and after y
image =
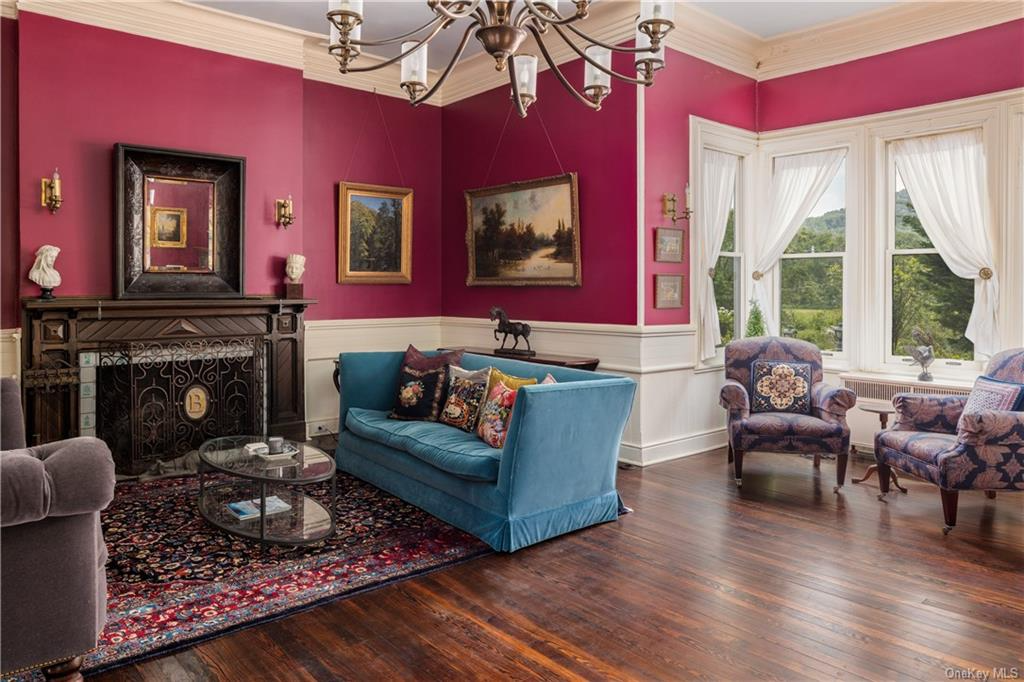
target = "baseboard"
x: 674, y: 448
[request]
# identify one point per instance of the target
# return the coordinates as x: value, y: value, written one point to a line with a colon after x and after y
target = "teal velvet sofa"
x: 555, y: 474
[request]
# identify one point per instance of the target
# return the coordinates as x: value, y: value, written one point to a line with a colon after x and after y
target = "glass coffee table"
x: 266, y: 500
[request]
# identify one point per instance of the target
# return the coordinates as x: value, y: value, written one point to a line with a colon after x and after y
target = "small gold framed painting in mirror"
x: 668, y: 291
x: 668, y: 245
x: 169, y: 227
x: 375, y: 234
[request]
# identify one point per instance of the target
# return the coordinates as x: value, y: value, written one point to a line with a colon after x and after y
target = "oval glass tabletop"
x: 309, y: 464
x: 292, y: 518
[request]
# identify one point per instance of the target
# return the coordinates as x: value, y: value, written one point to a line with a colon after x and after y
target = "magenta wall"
x: 103, y: 87
x: 983, y: 61
x: 688, y: 86
x: 9, y: 310
x: 345, y: 139
x: 599, y: 146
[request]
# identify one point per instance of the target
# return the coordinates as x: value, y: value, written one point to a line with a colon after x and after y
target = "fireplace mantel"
x: 62, y: 337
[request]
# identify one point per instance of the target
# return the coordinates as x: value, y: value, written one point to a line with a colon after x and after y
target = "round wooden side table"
x: 883, y: 413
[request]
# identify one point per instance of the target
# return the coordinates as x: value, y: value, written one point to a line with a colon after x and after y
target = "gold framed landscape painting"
x: 374, y: 234
x: 525, y: 233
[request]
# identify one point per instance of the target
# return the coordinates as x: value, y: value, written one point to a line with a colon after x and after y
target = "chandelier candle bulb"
x: 414, y: 70
x: 526, y: 76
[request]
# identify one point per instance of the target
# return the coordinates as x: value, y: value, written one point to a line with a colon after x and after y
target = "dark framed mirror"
x: 180, y: 223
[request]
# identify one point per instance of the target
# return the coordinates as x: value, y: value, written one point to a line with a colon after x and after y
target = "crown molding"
x: 698, y: 33
x: 706, y: 36
x: 181, y: 22
x: 883, y: 30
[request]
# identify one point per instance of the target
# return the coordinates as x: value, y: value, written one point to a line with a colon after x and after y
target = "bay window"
x: 811, y: 272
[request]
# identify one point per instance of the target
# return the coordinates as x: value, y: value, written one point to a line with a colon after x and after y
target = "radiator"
x: 883, y: 389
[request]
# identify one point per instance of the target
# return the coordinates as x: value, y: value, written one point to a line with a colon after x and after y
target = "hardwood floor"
x: 780, y: 580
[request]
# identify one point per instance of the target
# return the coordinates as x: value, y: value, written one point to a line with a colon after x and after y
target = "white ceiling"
x: 385, y: 18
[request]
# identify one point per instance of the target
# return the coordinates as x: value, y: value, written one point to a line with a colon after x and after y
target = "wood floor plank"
x: 779, y: 580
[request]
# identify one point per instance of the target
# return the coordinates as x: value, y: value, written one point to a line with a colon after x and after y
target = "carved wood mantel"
x: 58, y: 332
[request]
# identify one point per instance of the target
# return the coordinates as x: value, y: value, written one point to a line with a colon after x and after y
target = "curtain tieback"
x: 985, y: 273
x: 711, y: 273
x: 757, y: 275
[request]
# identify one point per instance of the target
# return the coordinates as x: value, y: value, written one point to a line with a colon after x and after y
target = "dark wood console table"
x: 152, y: 376
x: 540, y: 358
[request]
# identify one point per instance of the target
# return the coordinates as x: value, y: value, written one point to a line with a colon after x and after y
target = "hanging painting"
x: 375, y: 234
x: 525, y: 233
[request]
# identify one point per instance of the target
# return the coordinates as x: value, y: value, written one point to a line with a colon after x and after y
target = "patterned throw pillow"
x: 466, y: 391
x: 496, y: 413
x: 778, y: 386
x: 993, y: 394
x: 549, y: 379
x: 420, y: 394
x: 510, y: 381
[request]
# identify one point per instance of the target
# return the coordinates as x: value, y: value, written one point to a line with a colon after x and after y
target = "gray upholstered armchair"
x: 933, y: 439
x: 52, y: 555
x: 822, y: 430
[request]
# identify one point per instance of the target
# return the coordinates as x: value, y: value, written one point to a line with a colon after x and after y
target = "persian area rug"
x: 173, y: 580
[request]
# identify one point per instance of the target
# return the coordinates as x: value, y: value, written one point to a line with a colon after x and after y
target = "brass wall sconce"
x: 50, y: 195
x: 285, y: 213
x: 670, y: 206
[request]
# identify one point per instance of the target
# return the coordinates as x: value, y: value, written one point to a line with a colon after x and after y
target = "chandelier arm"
x: 609, y: 46
x: 395, y: 39
x: 441, y: 10
x: 599, y: 67
x: 481, y: 16
x: 558, y: 72
x: 533, y: 12
x: 451, y: 65
x: 513, y: 76
x: 389, y: 62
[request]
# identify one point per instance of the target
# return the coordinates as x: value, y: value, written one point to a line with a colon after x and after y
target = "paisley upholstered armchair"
x: 934, y: 439
x: 778, y: 402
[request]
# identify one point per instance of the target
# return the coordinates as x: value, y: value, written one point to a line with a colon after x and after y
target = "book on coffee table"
x: 244, y: 510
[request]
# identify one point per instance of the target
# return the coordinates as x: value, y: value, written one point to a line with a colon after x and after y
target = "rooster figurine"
x: 922, y: 353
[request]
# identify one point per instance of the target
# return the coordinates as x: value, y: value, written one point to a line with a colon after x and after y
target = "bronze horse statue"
x: 516, y: 329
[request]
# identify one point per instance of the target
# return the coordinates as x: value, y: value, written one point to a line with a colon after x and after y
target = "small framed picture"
x: 668, y: 291
x: 169, y: 227
x: 668, y: 245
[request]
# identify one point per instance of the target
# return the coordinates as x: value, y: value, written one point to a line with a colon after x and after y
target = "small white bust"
x: 43, y: 273
x: 294, y: 266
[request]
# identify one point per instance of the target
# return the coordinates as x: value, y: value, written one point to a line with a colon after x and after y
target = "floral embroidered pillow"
x: 778, y: 386
x: 420, y: 394
x: 993, y: 394
x: 466, y: 392
x: 496, y: 414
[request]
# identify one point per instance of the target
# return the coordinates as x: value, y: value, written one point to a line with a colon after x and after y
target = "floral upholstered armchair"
x: 792, y: 409
x: 935, y: 439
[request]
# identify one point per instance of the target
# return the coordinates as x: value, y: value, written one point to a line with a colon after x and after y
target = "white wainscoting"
x: 676, y: 412
x: 10, y: 352
x: 325, y: 339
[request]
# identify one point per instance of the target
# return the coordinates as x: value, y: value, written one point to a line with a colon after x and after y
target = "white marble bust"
x: 294, y: 266
x: 43, y: 273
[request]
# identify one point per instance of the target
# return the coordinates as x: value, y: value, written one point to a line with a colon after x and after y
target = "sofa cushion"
x: 466, y: 392
x: 992, y: 394
x: 447, y: 448
x: 778, y: 386
x: 921, y: 445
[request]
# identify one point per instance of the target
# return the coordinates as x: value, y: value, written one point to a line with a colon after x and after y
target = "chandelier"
x: 502, y: 28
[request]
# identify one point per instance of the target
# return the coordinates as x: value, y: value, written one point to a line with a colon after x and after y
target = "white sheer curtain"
x: 798, y: 181
x: 946, y: 178
x: 717, y: 189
